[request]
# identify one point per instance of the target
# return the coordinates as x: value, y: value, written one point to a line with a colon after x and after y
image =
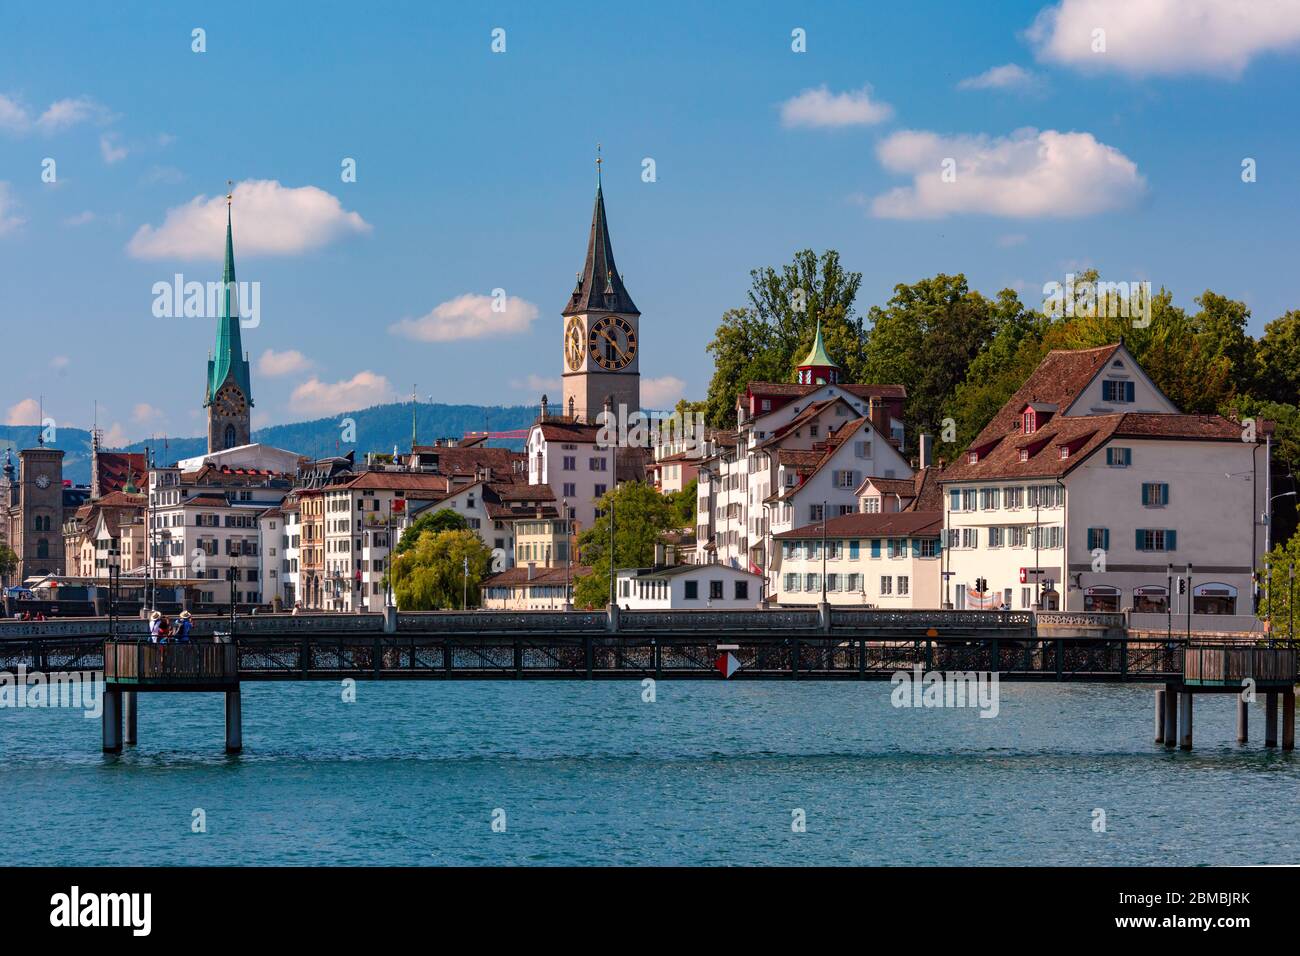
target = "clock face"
x: 230, y: 401
x: 42, y: 481
x: 573, y: 344
x: 612, y: 343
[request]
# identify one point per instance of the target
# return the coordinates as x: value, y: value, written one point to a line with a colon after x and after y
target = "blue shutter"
x: 1171, y: 540
x: 875, y: 547
x: 1164, y: 494
x: 1105, y: 539
x: 1138, y: 545
x: 954, y: 498
x: 1128, y: 391
x: 853, y: 549
x: 916, y: 547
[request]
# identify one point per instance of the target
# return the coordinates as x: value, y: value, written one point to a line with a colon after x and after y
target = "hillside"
x: 377, y: 429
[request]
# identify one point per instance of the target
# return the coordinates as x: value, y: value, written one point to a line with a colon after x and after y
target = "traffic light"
x: 1182, y: 585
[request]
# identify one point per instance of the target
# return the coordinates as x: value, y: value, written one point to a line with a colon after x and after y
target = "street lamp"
x: 114, y: 578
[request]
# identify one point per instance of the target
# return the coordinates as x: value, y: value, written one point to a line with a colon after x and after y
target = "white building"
x: 796, y: 447
x: 687, y: 586
x: 567, y: 455
x: 1089, y: 491
x: 271, y: 538
x: 531, y: 588
x: 875, y: 560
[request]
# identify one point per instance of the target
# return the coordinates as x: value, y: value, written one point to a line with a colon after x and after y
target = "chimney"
x: 926, y: 450
x: 661, y: 557
x: 879, y: 416
x: 544, y: 403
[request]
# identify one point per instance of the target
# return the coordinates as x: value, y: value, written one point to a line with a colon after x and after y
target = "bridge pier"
x: 130, y: 705
x: 1270, y: 719
x: 1288, y: 719
x: 234, y: 723
x: 1160, y: 715
x: 112, y: 721
x: 1185, y: 721
x: 1243, y: 720
x: 1171, y: 716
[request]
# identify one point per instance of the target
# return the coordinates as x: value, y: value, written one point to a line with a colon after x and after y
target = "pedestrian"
x: 184, y: 625
x: 155, y: 626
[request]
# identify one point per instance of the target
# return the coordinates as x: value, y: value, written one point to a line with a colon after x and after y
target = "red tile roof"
x: 562, y: 431
x: 116, y: 466
x: 518, y: 575
x: 397, y: 481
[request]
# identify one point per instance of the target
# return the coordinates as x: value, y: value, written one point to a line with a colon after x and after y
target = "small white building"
x: 885, y: 560
x: 568, y: 456
x: 683, y: 587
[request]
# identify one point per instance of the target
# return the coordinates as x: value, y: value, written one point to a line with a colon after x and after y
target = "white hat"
x: 156, y: 615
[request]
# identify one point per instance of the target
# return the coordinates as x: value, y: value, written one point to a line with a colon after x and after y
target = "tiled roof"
x: 397, y: 481
x: 929, y: 496
x: 519, y: 575
x: 1084, y: 434
x: 1058, y: 380
x: 889, y: 486
x: 570, y: 431
x: 116, y: 466
x: 879, y: 525
x: 861, y: 391
x: 120, y: 499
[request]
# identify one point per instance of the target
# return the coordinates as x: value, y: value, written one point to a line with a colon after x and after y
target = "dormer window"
x: 1024, y: 454
x: 1029, y: 421
x: 1063, y: 451
x: 972, y: 457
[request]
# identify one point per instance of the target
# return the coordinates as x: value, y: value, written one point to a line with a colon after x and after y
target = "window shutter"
x: 1138, y: 543
x: 1171, y: 540
x: 1105, y: 539
x: 916, y: 547
x: 875, y: 547
x: 1128, y: 391
x: 1164, y: 494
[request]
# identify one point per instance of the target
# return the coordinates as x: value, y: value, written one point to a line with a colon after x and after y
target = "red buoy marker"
x: 727, y: 664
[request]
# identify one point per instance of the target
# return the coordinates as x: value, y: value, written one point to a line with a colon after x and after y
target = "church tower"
x: 229, y: 397
x: 601, y: 331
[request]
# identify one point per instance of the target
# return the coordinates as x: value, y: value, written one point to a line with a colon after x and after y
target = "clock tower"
x: 601, y: 331
x: 228, y: 397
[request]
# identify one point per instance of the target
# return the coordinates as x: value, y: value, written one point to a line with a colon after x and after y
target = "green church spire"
x: 228, y: 360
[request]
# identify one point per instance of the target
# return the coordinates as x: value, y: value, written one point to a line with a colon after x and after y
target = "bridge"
x: 818, y: 644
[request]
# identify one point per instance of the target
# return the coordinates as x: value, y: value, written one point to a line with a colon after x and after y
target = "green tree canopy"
x: 8, y: 562
x: 444, y: 519
x: 765, y: 340
x: 641, y: 515
x: 1279, y: 360
x: 430, y: 575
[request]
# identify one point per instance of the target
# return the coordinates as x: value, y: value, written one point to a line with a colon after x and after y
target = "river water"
x: 590, y: 773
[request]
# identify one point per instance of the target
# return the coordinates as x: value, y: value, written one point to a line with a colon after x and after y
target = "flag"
x: 727, y: 664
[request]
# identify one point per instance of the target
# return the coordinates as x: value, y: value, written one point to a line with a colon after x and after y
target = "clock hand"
x: 612, y: 341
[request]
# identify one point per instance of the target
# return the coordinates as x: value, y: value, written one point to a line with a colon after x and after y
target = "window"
x: 929, y: 548
x: 902, y: 584
x: 812, y: 431
x: 886, y: 584
x: 832, y: 582
x: 599, y: 464
x: 970, y: 537
x: 1119, y: 457
x: 812, y: 582
x: 570, y: 462
x: 988, y: 499
x: 862, y: 449
x: 1013, y: 497
x: 1155, y: 494
x: 871, y: 505
x: 570, y: 489
x: 765, y: 405
x: 1024, y: 454
x: 742, y: 591
x: 1098, y: 538
x: 1063, y: 451
x: 692, y: 590
x: 844, y: 479
x: 792, y: 582
x: 854, y: 549
x: 1028, y: 423
x: 1117, y: 391
x: 972, y: 457
x: 995, y: 537
x: 599, y: 491
x: 815, y: 512
x: 715, y: 590
x: 1156, y: 539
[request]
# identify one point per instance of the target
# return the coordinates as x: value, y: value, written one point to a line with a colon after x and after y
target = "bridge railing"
x: 500, y: 621
x: 876, y: 619
x: 705, y: 621
x: 1230, y: 665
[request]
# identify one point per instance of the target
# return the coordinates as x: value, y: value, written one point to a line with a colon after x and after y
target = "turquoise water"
x: 588, y: 773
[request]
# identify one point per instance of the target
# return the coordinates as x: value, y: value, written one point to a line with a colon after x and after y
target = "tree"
x: 444, y: 519
x: 925, y: 339
x: 641, y: 515
x: 1279, y: 360
x: 684, y: 504
x: 8, y: 563
x: 1220, y: 328
x: 430, y: 575
x: 1283, y: 561
x: 765, y: 341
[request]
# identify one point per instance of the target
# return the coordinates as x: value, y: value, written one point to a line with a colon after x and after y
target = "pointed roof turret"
x: 228, y: 357
x: 600, y: 287
x: 817, y: 367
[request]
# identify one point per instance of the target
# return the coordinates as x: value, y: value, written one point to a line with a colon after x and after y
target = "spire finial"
x: 598, y: 162
x: 230, y: 192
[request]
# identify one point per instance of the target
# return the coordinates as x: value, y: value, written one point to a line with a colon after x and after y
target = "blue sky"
x: 475, y: 172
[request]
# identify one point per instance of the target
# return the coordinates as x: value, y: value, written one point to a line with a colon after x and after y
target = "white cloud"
x: 1218, y: 37
x: 13, y: 115
x: 538, y: 385
x: 820, y: 107
x: 662, y: 392
x: 1012, y: 239
x: 26, y: 412
x: 273, y: 363
x: 270, y: 219
x: 1009, y: 76
x: 326, y: 398
x: 1025, y: 175
x: 109, y: 149
x: 9, y: 221
x: 116, y: 436
x: 145, y: 413
x: 468, y: 316
x: 66, y: 113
